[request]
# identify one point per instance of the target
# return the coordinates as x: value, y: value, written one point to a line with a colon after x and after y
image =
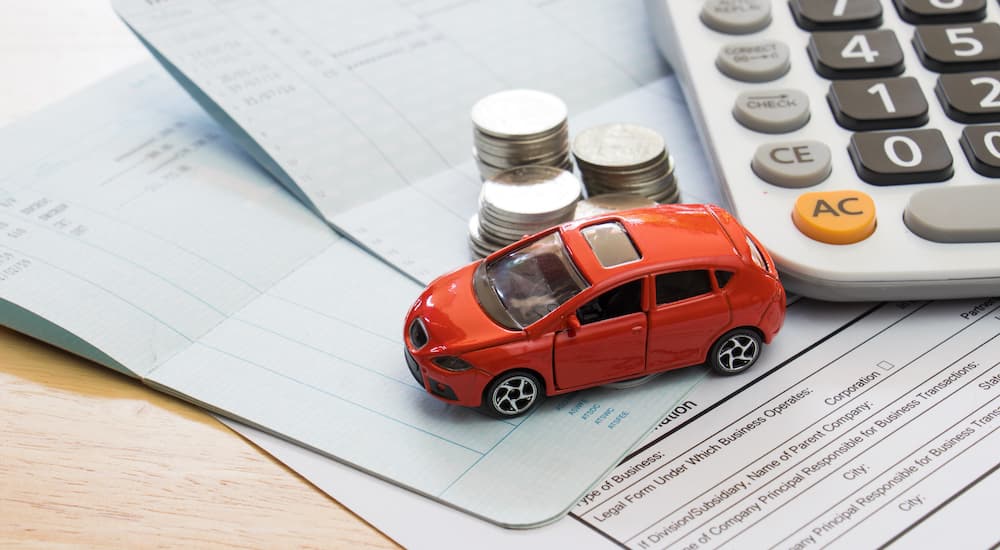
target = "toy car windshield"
x: 529, y: 282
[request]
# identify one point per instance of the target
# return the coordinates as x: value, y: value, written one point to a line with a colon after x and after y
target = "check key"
x: 772, y: 111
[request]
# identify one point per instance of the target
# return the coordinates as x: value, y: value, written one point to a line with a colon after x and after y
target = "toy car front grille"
x: 414, y: 367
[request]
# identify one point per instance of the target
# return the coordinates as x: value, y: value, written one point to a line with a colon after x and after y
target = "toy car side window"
x: 722, y: 277
x: 673, y: 287
x: 621, y: 300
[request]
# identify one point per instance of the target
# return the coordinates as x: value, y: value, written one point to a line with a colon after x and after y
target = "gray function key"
x: 793, y: 164
x: 813, y: 15
x: 970, y: 97
x: 960, y: 214
x: 772, y: 111
x: 958, y: 48
x: 736, y: 16
x: 901, y: 157
x: 981, y: 145
x: 941, y: 11
x: 878, y: 104
x: 760, y: 61
x: 855, y: 54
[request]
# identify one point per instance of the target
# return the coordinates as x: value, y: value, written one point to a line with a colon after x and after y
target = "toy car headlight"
x: 451, y: 363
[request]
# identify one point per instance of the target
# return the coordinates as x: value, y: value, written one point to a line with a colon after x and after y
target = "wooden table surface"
x: 89, y: 457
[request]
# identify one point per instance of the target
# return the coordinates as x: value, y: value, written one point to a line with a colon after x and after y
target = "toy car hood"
x: 453, y: 319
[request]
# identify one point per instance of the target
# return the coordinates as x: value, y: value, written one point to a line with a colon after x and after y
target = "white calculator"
x: 859, y: 140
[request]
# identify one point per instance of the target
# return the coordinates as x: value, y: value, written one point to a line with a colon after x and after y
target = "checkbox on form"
x: 885, y: 365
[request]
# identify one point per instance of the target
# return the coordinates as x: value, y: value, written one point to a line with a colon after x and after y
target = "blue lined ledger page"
x: 131, y: 221
x: 361, y: 109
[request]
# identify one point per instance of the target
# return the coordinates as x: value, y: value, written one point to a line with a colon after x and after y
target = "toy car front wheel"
x: 735, y: 352
x: 512, y: 394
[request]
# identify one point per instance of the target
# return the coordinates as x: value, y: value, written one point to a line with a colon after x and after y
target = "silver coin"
x: 670, y: 196
x: 531, y: 191
x: 618, y: 145
x: 477, y: 241
x: 610, y: 202
x: 661, y: 166
x: 549, y: 158
x: 518, y: 113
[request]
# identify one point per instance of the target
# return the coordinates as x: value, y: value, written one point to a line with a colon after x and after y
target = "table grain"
x: 90, y: 457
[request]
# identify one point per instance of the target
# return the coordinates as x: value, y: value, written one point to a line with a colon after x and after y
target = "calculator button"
x: 941, y: 11
x: 736, y: 16
x: 855, y: 54
x: 960, y: 214
x: 814, y: 15
x: 982, y: 147
x: 792, y: 163
x: 772, y: 111
x: 901, y: 157
x: 958, y: 48
x: 760, y: 61
x: 835, y: 217
x: 877, y: 104
x: 970, y: 97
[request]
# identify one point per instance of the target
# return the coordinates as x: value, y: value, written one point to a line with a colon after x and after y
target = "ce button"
x: 793, y: 164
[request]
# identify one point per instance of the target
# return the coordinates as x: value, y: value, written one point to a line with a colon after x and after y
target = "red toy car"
x: 594, y: 301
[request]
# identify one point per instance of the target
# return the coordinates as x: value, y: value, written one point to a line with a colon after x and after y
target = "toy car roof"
x: 663, y: 235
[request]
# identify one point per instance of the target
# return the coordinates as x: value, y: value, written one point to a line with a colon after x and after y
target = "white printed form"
x: 867, y: 439
x: 361, y: 109
x: 129, y: 221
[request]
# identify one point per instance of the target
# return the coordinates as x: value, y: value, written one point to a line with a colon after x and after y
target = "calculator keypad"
x: 760, y: 61
x: 962, y: 214
x: 958, y: 48
x: 835, y: 217
x: 736, y: 16
x: 940, y: 11
x: 970, y: 97
x: 878, y: 103
x: 772, y: 111
x: 884, y: 143
x: 855, y: 54
x: 814, y: 15
x: 793, y: 164
x: 981, y: 145
x: 901, y: 157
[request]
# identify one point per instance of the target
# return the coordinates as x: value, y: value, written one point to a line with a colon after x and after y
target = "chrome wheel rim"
x: 515, y: 395
x: 738, y: 353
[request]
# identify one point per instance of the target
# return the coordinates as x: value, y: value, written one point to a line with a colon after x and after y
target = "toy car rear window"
x: 610, y: 243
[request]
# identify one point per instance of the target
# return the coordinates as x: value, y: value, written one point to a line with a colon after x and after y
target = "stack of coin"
x: 518, y: 128
x: 609, y: 202
x: 625, y: 158
x: 519, y: 202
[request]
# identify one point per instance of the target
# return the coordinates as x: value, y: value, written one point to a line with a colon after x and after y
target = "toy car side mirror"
x: 572, y: 324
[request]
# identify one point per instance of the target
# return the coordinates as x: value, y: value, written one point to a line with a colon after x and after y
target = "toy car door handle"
x: 637, y: 329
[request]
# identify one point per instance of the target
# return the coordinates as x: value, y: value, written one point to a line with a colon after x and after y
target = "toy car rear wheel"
x: 735, y: 351
x: 513, y: 394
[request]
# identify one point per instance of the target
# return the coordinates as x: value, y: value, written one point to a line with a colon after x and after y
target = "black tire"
x: 735, y: 351
x: 513, y: 394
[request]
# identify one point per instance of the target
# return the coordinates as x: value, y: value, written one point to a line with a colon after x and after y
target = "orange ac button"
x: 835, y: 217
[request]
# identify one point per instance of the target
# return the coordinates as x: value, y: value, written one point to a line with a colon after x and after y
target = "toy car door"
x: 610, y: 342
x: 687, y: 315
